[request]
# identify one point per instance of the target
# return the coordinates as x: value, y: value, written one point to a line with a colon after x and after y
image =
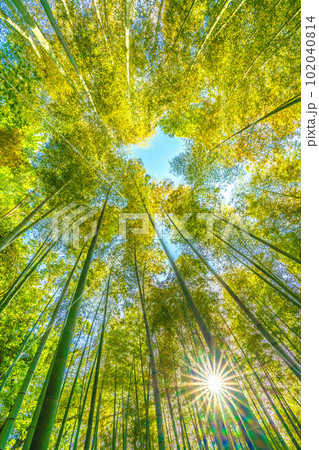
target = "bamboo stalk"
x: 156, y: 390
x: 46, y: 419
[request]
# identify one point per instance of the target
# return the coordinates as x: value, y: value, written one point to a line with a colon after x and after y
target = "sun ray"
x: 211, y: 383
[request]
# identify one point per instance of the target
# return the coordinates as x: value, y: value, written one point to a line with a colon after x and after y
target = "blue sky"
x: 157, y: 154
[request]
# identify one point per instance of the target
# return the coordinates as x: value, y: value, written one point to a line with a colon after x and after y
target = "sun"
x: 214, y: 384
x: 210, y: 382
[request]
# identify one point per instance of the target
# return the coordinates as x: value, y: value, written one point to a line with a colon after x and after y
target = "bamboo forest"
x: 140, y: 310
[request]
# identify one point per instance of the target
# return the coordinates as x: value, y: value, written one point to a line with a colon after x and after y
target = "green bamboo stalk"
x: 32, y: 261
x: 292, y: 101
x: 213, y: 427
x: 79, y: 338
x: 117, y: 424
x: 127, y: 39
x: 9, y: 296
x: 282, y: 332
x: 57, y: 444
x: 221, y: 428
x: 259, y: 239
x: 33, y: 224
x: 144, y: 384
x: 167, y: 429
x: 282, y: 294
x: 114, y: 413
x: 296, y: 298
x: 96, y: 426
x: 295, y: 418
x: 285, y: 388
x: 80, y: 402
x: 147, y: 421
x: 31, y: 428
x: 20, y: 29
x: 107, y: 28
x: 137, y: 405
x: 80, y: 418
x: 231, y: 439
x: 269, y: 418
x: 186, y: 434
x: 46, y: 419
x: 239, y: 420
x: 272, y: 443
x: 158, y: 23
x: 156, y: 390
x: 281, y: 401
x: 142, y: 365
x: 181, y: 27
x: 75, y: 346
x: 200, y: 423
x: 171, y: 411
x: 73, y: 432
x: 126, y: 413
x: 279, y: 415
x: 10, y: 421
x: 69, y: 18
x: 123, y: 418
x: 99, y: 18
x: 194, y: 423
x: 228, y: 19
x: 89, y: 429
x: 12, y: 236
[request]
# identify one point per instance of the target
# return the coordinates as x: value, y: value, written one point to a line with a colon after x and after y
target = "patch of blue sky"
x: 157, y: 154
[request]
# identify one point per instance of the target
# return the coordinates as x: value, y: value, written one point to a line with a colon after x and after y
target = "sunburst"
x: 211, y: 382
